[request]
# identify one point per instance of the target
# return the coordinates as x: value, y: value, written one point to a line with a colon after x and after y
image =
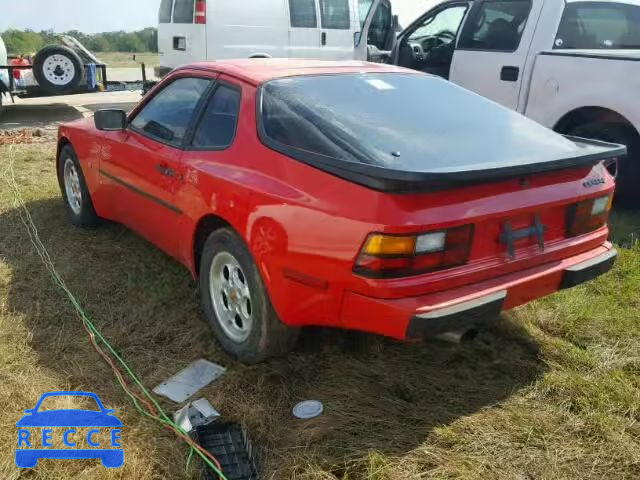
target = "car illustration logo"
x: 39, y: 429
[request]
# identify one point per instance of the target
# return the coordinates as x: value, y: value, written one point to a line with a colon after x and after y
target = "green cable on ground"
x: 58, y: 281
x: 189, y: 459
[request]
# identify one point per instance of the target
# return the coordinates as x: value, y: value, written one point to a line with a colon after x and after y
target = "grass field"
x: 125, y: 59
x: 551, y: 392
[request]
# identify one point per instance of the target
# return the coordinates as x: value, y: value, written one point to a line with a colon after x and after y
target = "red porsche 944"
x: 343, y: 194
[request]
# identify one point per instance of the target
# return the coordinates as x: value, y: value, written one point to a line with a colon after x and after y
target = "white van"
x: 197, y: 30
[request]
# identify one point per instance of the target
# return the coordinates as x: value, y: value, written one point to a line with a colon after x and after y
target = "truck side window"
x: 335, y: 14
x: 164, y: 16
x: 183, y: 12
x: 495, y: 25
x: 217, y: 127
x: 594, y: 25
x: 303, y: 13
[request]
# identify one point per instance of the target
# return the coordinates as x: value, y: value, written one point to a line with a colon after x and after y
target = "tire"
x: 251, y: 332
x: 628, y: 175
x: 58, y: 69
x: 74, y: 190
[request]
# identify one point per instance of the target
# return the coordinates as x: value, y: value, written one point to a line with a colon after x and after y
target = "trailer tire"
x: 58, y: 69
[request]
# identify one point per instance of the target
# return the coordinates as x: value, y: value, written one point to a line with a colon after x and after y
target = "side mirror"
x: 110, y: 120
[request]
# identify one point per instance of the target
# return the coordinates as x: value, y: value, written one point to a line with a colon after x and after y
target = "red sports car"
x: 352, y: 195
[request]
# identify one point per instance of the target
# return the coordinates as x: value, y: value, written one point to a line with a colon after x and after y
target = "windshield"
x: 445, y: 22
x: 408, y: 11
x: 398, y: 121
x: 68, y: 402
x: 599, y: 25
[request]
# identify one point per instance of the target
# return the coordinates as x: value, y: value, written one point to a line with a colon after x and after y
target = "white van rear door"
x: 304, y: 36
x: 182, y: 32
x: 337, y: 19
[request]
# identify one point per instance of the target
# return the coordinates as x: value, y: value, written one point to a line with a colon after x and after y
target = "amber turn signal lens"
x: 379, y: 245
x: 389, y: 256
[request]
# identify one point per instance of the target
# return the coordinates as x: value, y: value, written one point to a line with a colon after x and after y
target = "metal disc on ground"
x: 308, y: 409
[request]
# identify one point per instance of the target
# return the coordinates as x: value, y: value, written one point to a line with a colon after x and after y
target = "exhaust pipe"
x: 458, y: 337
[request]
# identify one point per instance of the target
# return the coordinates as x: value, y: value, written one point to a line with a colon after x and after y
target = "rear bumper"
x: 472, y: 305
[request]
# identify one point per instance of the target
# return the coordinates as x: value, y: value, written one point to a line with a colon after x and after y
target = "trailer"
x: 65, y: 69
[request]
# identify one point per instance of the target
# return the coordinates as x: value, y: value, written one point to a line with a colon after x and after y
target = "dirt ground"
x: 48, y: 112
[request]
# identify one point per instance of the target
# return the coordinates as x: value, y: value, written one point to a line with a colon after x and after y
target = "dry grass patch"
x: 552, y: 391
x: 125, y: 59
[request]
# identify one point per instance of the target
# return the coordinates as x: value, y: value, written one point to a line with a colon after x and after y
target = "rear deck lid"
x: 404, y: 131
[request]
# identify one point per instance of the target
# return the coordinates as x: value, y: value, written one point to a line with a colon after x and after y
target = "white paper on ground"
x: 187, y: 382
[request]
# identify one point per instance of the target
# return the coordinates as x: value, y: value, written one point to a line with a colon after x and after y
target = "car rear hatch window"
x: 410, y: 132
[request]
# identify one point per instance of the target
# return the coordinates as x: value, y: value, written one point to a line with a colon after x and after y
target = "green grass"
x: 125, y: 59
x: 551, y: 392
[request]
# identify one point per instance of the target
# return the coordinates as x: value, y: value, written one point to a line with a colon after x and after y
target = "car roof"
x: 259, y: 70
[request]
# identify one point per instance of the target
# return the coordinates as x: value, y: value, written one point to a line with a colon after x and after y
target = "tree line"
x: 27, y: 42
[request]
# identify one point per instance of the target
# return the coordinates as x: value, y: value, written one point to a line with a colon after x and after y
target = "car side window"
x: 303, y: 13
x: 168, y: 114
x: 217, y: 127
x: 335, y: 14
x: 599, y: 25
x: 496, y: 25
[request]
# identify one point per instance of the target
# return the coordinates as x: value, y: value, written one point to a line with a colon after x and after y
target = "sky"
x: 93, y: 16
x: 88, y: 16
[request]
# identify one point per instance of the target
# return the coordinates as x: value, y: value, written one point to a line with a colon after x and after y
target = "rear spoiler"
x: 587, y: 154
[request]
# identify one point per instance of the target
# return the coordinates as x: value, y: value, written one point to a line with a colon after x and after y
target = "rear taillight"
x: 201, y: 12
x: 390, y: 256
x: 589, y: 215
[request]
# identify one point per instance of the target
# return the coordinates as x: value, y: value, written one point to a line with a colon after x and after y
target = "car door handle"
x: 510, y: 74
x: 165, y: 170
x: 323, y: 38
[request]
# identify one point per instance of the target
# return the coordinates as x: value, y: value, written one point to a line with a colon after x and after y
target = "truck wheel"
x: 236, y: 302
x: 58, y: 69
x: 628, y: 174
x: 74, y: 190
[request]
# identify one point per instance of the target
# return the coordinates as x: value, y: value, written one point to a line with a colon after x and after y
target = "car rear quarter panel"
x: 305, y: 227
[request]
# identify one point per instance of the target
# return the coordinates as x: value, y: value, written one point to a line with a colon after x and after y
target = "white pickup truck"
x: 572, y: 65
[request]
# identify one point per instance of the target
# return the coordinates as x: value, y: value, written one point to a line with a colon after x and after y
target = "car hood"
x: 69, y: 418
